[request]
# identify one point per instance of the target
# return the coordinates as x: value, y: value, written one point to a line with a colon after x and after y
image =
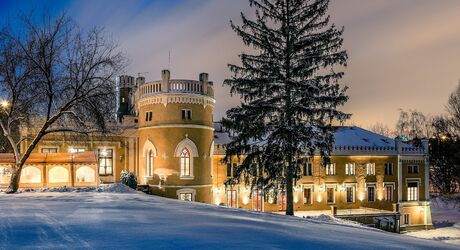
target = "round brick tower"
x: 176, y: 136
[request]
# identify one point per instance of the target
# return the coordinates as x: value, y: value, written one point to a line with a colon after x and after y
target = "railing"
x: 175, y: 86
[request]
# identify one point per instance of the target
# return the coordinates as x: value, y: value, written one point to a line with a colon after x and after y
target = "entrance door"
x: 257, y: 200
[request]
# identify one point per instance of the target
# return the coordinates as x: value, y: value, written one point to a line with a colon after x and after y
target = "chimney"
x: 398, y: 144
x: 204, y: 82
x: 425, y: 145
x: 140, y: 80
x: 165, y: 76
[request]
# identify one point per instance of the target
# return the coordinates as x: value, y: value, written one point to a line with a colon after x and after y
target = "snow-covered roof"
x: 348, y: 140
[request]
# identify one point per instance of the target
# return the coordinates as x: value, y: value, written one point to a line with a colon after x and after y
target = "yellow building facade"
x: 166, y: 136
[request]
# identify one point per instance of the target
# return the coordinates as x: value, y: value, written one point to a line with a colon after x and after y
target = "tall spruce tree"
x: 290, y: 93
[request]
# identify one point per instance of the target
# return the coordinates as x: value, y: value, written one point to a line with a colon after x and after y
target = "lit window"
x: 370, y: 168
x: 307, y: 196
x: 150, y: 163
x: 388, y: 168
x: 412, y: 191
x: 330, y: 169
x: 257, y: 200
x: 185, y: 163
x: 308, y: 169
x: 350, y: 169
x: 350, y: 194
x: 371, y: 193
x: 186, y: 196
x: 58, y: 175
x: 389, y: 192
x: 31, y: 175
x: 412, y: 169
x: 77, y: 150
x: 5, y: 175
x: 330, y: 191
x: 49, y: 150
x: 105, y: 161
x: 232, y: 198
x: 85, y: 174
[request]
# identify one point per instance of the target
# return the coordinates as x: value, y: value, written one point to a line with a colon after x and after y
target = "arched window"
x: 185, y: 162
x: 150, y: 163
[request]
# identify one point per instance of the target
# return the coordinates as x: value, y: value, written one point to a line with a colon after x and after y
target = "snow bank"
x: 105, y: 220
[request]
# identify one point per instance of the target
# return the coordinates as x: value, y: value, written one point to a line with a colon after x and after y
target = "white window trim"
x: 372, y: 184
x: 417, y: 180
x: 370, y: 166
x: 114, y: 159
x: 186, y: 191
x: 41, y: 147
x: 334, y: 186
x: 332, y: 166
x: 148, y: 145
x: 348, y: 167
x: 391, y: 184
x: 226, y: 196
x: 354, y: 192
x: 310, y: 186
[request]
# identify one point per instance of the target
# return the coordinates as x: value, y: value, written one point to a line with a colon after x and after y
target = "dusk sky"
x: 402, y: 54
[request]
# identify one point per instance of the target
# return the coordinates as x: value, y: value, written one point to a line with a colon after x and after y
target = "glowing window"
x: 150, y: 163
x: 31, y: 175
x: 86, y: 174
x: 185, y: 163
x: 58, y: 174
x: 5, y: 175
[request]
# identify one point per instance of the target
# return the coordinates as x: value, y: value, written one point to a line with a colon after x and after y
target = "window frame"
x: 373, y: 193
x: 350, y: 169
x: 308, y: 169
x: 48, y: 148
x: 330, y: 169
x: 413, y: 192
x: 333, y: 194
x: 186, y: 163
x: 109, y: 156
x: 413, y: 169
x: 233, y: 198
x: 389, y: 169
x: 187, y: 114
x: 353, y: 190
x: 370, y: 169
x: 392, y: 188
x: 305, y: 202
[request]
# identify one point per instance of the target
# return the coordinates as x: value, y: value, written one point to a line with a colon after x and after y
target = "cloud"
x: 403, y: 54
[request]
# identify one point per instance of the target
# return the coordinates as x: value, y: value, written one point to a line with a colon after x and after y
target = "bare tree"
x: 413, y: 124
x: 55, y: 71
x: 453, y: 107
x: 381, y: 129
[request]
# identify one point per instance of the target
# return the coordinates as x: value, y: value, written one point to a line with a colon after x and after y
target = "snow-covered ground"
x: 133, y: 220
x: 445, y: 212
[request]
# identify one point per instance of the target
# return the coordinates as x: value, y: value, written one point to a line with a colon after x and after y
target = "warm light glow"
x: 5, y: 104
x: 361, y: 196
x: 58, y: 175
x: 245, y: 200
x: 86, y: 174
x: 444, y: 137
x: 319, y: 198
x: 104, y: 152
x: 72, y: 150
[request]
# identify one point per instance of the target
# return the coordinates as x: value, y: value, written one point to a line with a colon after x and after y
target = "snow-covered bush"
x: 129, y: 179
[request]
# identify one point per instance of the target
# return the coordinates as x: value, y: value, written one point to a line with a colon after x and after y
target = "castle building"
x: 169, y: 140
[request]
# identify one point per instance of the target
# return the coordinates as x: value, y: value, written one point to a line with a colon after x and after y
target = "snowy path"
x: 114, y: 220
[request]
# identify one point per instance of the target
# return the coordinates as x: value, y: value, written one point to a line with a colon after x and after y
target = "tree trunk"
x: 289, y: 193
x: 14, y: 182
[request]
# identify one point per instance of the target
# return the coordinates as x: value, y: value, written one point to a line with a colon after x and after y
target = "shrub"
x: 129, y: 179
